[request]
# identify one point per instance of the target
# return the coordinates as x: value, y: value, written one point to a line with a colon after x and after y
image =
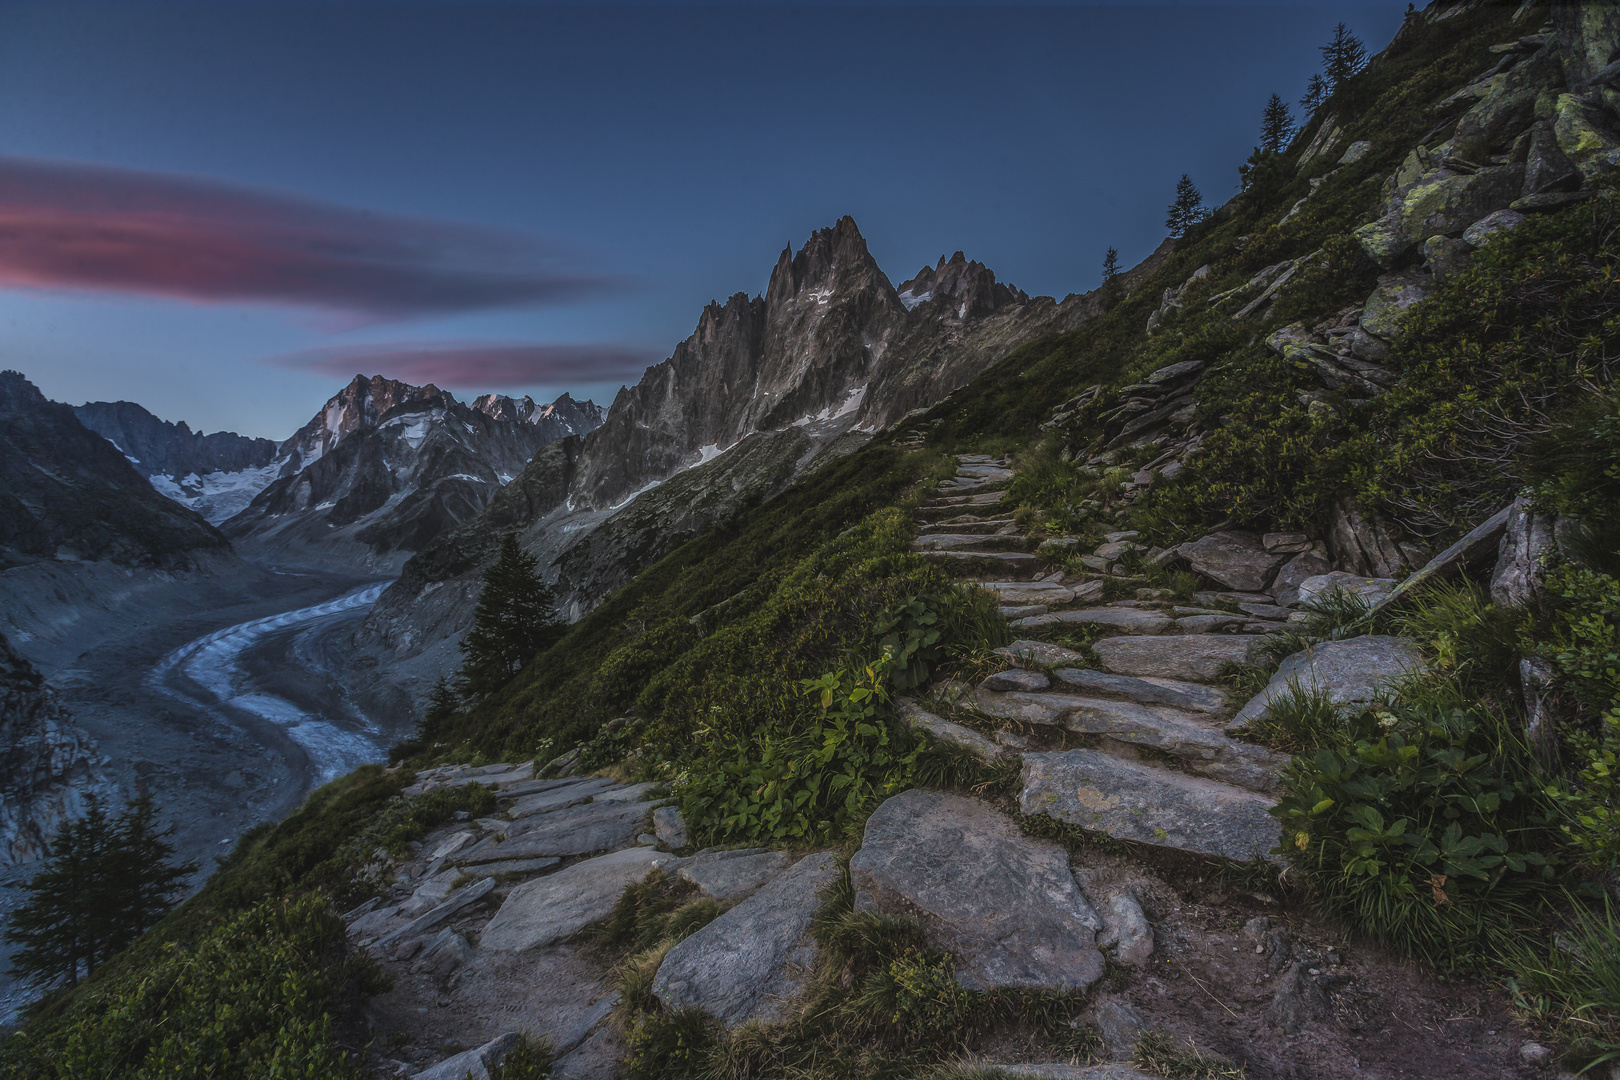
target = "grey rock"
x: 1175, y: 372
x: 1355, y: 152
x: 729, y: 875
x: 946, y: 731
x: 551, y: 908
x: 1488, y: 226
x: 1444, y: 256
x: 627, y: 792
x: 530, y: 787
x: 1586, y: 136
x: 1265, y: 611
x: 1387, y: 306
x: 579, y: 830
x: 1005, y: 905
x: 1126, y: 932
x: 1130, y: 620
x: 1546, y: 167
x: 474, y: 1063
x: 1237, y: 560
x: 1270, y: 941
x: 1352, y: 673
x: 1115, y: 550
x: 1180, y: 695
x: 563, y: 764
x: 647, y: 839
x: 1298, y: 1001
x: 1209, y: 624
x: 1285, y: 543
x: 1373, y: 590
x: 670, y: 827
x: 442, y: 957
x: 1527, y: 542
x: 1120, y: 1026
x: 1198, y: 658
x: 1051, y: 593
x: 1039, y: 654
x: 1438, y: 203
x: 512, y: 866
x: 451, y: 844
x: 432, y: 892
x: 1131, y: 801
x: 586, y: 1025
x: 1016, y: 679
x: 557, y: 798
x: 1063, y: 1071
x: 1479, y: 541
x: 1022, y: 611
x: 367, y: 925
x: 1305, y: 565
x: 453, y: 906
x: 1535, y: 1055
x: 753, y: 961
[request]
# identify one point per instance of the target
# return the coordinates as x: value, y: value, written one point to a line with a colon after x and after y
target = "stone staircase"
x: 1158, y: 766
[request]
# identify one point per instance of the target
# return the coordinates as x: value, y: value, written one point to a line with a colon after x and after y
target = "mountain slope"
x: 68, y: 493
x: 384, y: 467
x: 216, y: 475
x: 763, y: 389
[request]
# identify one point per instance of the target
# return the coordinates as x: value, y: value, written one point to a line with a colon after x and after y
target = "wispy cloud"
x: 69, y: 226
x: 477, y: 364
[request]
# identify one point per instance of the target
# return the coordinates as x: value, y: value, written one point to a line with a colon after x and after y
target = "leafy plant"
x: 909, y: 634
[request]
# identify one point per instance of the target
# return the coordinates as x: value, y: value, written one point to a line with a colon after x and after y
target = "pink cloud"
x: 67, y: 226
x: 476, y: 364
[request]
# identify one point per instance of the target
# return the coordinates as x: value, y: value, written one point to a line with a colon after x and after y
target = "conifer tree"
x: 442, y: 704
x: 1342, y: 58
x: 107, y: 881
x: 514, y: 620
x: 1188, y: 209
x: 1276, y: 126
x: 1110, y: 274
x: 1316, y: 92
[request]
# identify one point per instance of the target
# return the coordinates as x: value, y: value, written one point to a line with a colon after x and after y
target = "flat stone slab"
x: 1049, y: 593
x: 1204, y: 750
x: 465, y: 898
x: 753, y: 961
x: 1016, y: 679
x: 579, y: 830
x: 1351, y: 673
x: 1238, y: 560
x: 548, y: 909
x: 947, y: 731
x: 558, y: 798
x: 1061, y: 1071
x: 1173, y: 692
x: 1039, y: 654
x: 627, y: 792
x: 1131, y: 620
x: 1186, y: 657
x: 1209, y: 624
x: 530, y: 787
x: 475, y: 1063
x: 512, y: 866
x: 1149, y: 805
x: 1373, y: 590
x: 732, y: 875
x: 1004, y: 904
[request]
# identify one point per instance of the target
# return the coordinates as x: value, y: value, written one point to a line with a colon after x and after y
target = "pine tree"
x: 514, y: 620
x: 1276, y: 126
x: 442, y: 704
x: 1342, y: 58
x: 1188, y: 209
x: 1316, y: 92
x: 107, y: 881
x: 1110, y: 273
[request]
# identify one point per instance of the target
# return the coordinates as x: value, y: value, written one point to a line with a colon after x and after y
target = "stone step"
x: 1202, y: 749
x: 969, y: 524
x: 1009, y: 563
x: 966, y: 502
x: 920, y: 719
x: 974, y: 541
x: 1050, y: 593
x: 1148, y: 804
x: 1173, y: 692
x: 970, y: 485
x: 1128, y: 620
x: 1189, y: 657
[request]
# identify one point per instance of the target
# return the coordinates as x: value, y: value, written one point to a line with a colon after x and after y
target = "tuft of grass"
x: 1159, y: 1053
x: 1298, y: 720
x: 1245, y: 680
x: 530, y: 1059
x: 1573, y: 983
x: 657, y: 909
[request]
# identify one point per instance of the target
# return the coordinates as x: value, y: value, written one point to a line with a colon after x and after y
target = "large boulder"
x: 1387, y: 306
x: 475, y: 1063
x: 1238, y: 560
x: 1351, y: 673
x: 1004, y: 904
x: 1527, y: 541
x: 548, y: 909
x: 1588, y: 36
x: 753, y: 961
x: 1296, y: 571
x: 1439, y: 203
x: 1132, y: 801
x: 1546, y: 166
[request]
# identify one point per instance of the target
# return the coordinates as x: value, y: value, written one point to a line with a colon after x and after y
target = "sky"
x: 223, y: 211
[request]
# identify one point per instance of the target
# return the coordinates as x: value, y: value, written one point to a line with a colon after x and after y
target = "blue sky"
x: 566, y: 187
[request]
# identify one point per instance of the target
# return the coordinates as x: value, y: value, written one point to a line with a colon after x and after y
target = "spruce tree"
x: 1316, y: 92
x: 442, y: 704
x: 107, y: 881
x: 1110, y: 275
x: 514, y: 620
x: 1276, y: 126
x: 1342, y: 58
x: 1188, y: 209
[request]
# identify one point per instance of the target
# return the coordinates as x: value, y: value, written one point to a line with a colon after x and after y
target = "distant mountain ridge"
x: 384, y: 467
x: 68, y: 493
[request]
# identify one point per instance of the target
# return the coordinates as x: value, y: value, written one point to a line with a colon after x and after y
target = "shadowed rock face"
x: 385, y: 467
x: 66, y: 492
x: 49, y: 767
x: 162, y: 448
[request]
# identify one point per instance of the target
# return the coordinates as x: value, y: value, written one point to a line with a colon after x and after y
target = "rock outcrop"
x: 49, y: 767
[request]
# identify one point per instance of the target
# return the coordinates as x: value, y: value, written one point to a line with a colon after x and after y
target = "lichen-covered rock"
x: 1546, y: 166
x: 1238, y: 560
x: 1587, y: 137
x: 1351, y: 673
x: 1439, y: 203
x: 1481, y: 231
x: 1445, y: 256
x: 1005, y: 905
x: 1387, y: 305
x: 752, y: 962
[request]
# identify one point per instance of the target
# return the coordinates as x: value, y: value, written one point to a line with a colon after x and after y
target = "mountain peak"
x: 969, y: 286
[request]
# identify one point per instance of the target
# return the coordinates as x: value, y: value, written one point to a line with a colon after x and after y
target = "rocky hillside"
x: 1224, y: 688
x: 216, y: 475
x: 49, y: 767
x: 763, y: 389
x: 385, y: 467
x: 68, y: 493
